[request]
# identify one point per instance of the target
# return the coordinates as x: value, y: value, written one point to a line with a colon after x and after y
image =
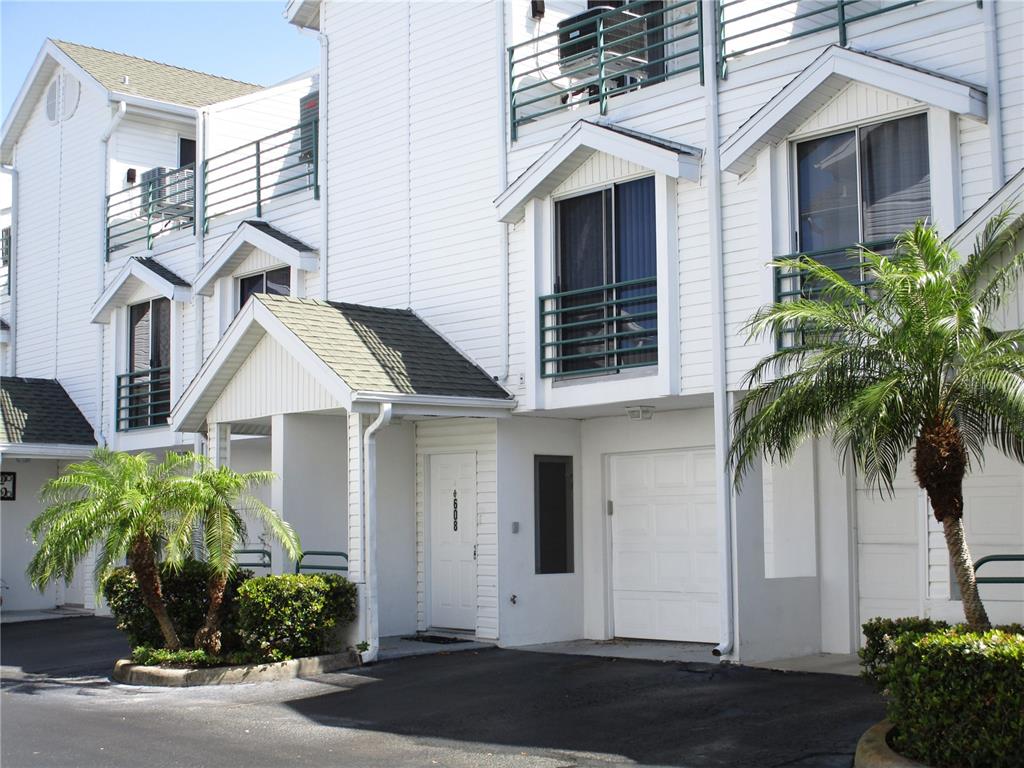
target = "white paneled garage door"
x: 664, y: 545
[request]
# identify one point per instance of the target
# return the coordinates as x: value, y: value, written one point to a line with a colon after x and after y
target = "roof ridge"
x: 59, y: 43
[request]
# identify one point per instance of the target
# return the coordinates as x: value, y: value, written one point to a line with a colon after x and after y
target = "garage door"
x: 664, y: 545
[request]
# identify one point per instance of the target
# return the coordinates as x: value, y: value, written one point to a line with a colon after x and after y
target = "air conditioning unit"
x: 623, y: 37
x: 168, y: 192
x: 309, y: 110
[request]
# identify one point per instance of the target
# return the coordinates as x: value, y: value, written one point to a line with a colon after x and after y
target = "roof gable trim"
x: 577, y: 145
x: 239, y: 245
x: 120, y: 288
x: 826, y: 76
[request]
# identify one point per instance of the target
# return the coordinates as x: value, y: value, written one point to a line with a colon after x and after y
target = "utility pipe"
x: 502, y: 184
x: 12, y: 271
x: 321, y: 155
x: 198, y: 300
x: 370, y: 522
x: 719, y: 373
x: 995, y: 112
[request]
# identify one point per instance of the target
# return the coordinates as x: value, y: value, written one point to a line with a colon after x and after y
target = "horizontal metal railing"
x: 745, y: 26
x: 602, y: 329
x: 610, y: 53
x: 153, y: 207
x: 302, y: 565
x: 263, y: 558
x: 143, y: 399
x: 847, y: 262
x: 999, y: 579
x: 247, y: 177
x: 5, y: 259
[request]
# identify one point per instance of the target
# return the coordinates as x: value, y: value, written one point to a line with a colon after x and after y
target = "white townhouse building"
x: 484, y: 315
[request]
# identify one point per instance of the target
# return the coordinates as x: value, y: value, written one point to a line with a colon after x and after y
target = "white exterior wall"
x: 18, y: 549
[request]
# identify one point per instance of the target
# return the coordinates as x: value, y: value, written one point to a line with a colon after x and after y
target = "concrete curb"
x: 873, y: 751
x: 136, y: 674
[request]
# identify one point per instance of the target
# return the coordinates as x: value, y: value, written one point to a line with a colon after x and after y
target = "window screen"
x: 553, y: 514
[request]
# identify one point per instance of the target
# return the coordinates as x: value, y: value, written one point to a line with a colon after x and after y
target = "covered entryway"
x: 664, y: 545
x: 453, y: 545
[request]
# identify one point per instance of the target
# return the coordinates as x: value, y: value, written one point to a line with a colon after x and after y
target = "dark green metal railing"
x: 263, y: 558
x: 602, y: 329
x: 301, y: 565
x: 745, y: 26
x: 247, y: 177
x: 156, y: 206
x: 143, y: 399
x: 5, y: 257
x: 998, y: 579
x: 610, y: 53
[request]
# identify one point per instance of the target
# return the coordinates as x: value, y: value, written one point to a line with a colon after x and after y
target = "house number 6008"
x: 455, y: 510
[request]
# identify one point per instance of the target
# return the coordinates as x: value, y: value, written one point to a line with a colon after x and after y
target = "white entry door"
x: 664, y: 545
x: 453, y: 541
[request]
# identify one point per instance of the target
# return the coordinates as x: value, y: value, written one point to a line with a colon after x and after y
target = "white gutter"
x: 995, y: 112
x: 101, y: 273
x: 713, y: 174
x: 502, y: 184
x: 372, y: 615
x: 12, y: 271
x: 198, y: 300
x: 321, y: 155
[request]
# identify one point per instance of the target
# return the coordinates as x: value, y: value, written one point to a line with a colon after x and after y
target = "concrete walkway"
x: 46, y: 614
x: 400, y: 647
x: 646, y: 650
x: 825, y: 663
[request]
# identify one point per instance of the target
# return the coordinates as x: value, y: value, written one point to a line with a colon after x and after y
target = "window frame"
x: 570, y: 554
x: 129, y: 336
x: 237, y: 279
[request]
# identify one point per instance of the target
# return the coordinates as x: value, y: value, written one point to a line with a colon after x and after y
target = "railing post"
x: 513, y: 132
x: 700, y: 41
x: 720, y: 32
x: 601, y: 92
x: 841, y: 13
x: 206, y: 218
x: 259, y: 201
x: 316, y: 159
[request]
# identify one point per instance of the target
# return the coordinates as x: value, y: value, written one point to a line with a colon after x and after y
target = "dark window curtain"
x: 636, y: 258
x: 138, y: 337
x: 895, y: 176
x: 827, y: 193
x: 279, y: 281
x: 161, y: 343
x: 247, y: 286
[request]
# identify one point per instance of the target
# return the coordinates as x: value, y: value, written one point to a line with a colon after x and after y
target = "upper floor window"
x: 186, y: 152
x: 144, y: 392
x: 276, y: 282
x: 865, y: 185
x: 602, y: 316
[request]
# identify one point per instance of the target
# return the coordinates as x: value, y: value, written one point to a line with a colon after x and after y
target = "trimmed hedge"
x: 184, y: 592
x: 286, y: 617
x: 956, y: 698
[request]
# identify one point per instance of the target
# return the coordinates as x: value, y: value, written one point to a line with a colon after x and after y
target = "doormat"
x: 436, y: 639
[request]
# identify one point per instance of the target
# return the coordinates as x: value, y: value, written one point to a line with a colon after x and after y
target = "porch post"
x: 356, y: 462
x: 277, y: 460
x: 218, y: 444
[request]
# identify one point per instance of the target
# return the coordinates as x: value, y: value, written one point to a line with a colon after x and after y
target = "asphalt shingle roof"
x: 382, y: 350
x: 40, y: 411
x: 277, y: 234
x: 157, y: 268
x: 153, y: 80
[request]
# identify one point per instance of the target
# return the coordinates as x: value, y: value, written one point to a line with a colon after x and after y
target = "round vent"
x: 51, y: 100
x: 72, y: 92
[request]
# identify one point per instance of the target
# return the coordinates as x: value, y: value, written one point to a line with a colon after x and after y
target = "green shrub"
x: 956, y: 698
x: 184, y: 592
x: 286, y: 617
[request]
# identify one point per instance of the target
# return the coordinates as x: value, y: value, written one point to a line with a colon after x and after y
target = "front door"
x: 664, y: 545
x: 453, y: 541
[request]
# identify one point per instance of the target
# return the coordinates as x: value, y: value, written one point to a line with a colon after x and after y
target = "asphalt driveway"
x: 471, y: 708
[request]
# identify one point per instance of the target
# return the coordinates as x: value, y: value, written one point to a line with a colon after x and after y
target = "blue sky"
x: 245, y: 40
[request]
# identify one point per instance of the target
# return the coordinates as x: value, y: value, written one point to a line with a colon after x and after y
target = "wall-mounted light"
x: 640, y: 412
x: 537, y: 9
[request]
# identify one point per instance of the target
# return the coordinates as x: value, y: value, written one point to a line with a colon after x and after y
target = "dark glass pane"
x: 279, y: 281
x: 161, y: 333
x: 827, y: 192
x: 138, y: 337
x: 186, y: 152
x: 635, y: 259
x: 247, y: 286
x: 894, y: 176
x: 553, y: 524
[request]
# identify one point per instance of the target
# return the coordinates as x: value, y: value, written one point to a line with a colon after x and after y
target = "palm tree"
x: 123, y: 503
x: 909, y: 365
x: 212, y: 517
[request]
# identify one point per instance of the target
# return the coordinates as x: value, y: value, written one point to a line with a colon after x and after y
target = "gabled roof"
x: 158, y: 86
x: 828, y: 74
x: 136, y: 272
x: 358, y: 353
x: 249, y: 236
x: 1010, y: 195
x: 40, y: 412
x: 576, y: 146
x: 303, y: 13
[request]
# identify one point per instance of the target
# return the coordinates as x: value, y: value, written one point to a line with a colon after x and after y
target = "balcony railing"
x: 605, y: 54
x: 599, y: 330
x: 791, y: 284
x: 5, y: 259
x: 143, y: 399
x: 162, y: 203
x: 247, y: 177
x: 745, y: 26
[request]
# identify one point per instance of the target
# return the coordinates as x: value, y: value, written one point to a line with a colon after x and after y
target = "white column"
x: 277, y: 494
x: 218, y: 444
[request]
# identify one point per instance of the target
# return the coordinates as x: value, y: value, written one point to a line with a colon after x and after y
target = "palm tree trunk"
x: 940, y: 463
x: 142, y: 561
x: 208, y: 637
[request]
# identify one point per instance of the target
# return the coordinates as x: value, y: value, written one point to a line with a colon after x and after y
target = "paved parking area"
x: 471, y: 708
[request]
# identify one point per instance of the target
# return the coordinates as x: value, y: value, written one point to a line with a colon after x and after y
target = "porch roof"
x: 358, y: 353
x: 250, y: 235
x: 39, y: 412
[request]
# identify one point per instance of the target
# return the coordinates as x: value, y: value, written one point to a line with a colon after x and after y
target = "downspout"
x: 101, y: 273
x: 370, y: 517
x: 502, y: 184
x: 995, y: 112
x: 321, y: 154
x: 198, y: 300
x: 12, y: 270
x: 720, y: 384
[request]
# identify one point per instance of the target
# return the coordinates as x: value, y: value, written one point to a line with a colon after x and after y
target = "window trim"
x: 567, y: 462
x: 129, y: 331
x: 237, y: 279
